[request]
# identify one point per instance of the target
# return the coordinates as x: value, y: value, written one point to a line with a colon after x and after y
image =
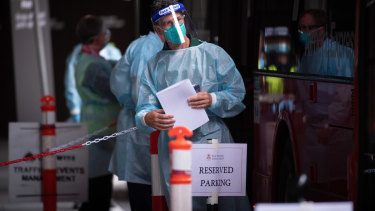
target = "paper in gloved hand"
x: 173, y: 99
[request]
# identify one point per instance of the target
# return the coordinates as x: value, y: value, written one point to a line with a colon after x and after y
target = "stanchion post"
x: 213, y: 200
x: 180, y: 180
x: 158, y: 198
x: 48, y: 136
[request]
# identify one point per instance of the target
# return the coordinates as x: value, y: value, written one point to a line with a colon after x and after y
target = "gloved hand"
x: 74, y: 118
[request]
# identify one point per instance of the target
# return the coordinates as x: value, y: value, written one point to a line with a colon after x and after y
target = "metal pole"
x: 41, y: 49
x: 48, y: 133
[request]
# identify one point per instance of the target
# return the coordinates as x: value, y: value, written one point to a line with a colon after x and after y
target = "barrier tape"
x: 63, y: 149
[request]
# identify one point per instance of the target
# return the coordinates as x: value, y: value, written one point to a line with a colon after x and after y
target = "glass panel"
x: 319, y: 42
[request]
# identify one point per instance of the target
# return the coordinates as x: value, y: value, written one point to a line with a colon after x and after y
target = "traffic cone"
x: 180, y: 180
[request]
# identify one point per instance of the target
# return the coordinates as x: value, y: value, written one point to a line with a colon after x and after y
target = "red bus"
x: 313, y: 111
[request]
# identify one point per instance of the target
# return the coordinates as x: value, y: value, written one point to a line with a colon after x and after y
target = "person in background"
x: 99, y: 107
x: 205, y: 64
x: 325, y: 117
x: 73, y: 101
x: 322, y: 55
x: 131, y: 159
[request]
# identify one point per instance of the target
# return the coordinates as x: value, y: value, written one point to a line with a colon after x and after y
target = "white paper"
x: 174, y: 101
x: 207, y: 159
x: 305, y: 206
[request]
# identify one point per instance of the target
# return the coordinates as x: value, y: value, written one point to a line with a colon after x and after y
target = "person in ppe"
x: 99, y: 107
x: 205, y: 64
x: 131, y: 159
x: 322, y: 55
x: 73, y: 101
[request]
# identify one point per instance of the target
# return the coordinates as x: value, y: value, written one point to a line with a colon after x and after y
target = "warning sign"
x: 25, y: 178
x: 221, y: 169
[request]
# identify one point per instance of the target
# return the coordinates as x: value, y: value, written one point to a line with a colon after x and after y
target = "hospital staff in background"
x: 99, y: 107
x: 73, y: 101
x: 205, y: 64
x: 131, y: 159
x: 322, y: 55
x: 325, y: 118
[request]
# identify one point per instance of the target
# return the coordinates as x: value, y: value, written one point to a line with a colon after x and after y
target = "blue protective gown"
x: 329, y: 59
x: 72, y: 98
x: 213, y: 69
x: 130, y: 160
x: 99, y: 107
x: 73, y: 101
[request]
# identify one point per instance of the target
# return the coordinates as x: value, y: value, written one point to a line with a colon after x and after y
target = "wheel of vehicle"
x: 285, y: 181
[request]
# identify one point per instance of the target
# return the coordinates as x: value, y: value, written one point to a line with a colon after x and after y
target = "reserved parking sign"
x: 220, y: 169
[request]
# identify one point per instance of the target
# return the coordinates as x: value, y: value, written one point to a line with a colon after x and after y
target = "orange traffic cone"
x: 180, y: 180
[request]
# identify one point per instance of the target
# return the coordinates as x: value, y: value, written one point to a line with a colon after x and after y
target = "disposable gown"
x: 72, y: 98
x: 330, y: 59
x: 130, y: 160
x: 212, y: 68
x: 73, y: 101
x: 99, y: 107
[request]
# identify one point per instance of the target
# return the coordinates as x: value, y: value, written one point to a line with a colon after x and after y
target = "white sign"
x: 174, y: 101
x: 219, y: 169
x: 305, y: 206
x: 71, y: 166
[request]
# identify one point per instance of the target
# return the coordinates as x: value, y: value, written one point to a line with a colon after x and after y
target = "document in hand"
x: 173, y: 99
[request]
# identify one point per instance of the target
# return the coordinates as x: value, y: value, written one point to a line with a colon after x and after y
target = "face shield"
x: 175, y: 22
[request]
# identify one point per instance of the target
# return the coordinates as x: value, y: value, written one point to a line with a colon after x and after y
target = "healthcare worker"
x: 322, y: 55
x: 131, y: 159
x: 326, y: 57
x: 73, y: 101
x: 205, y: 64
x: 99, y: 107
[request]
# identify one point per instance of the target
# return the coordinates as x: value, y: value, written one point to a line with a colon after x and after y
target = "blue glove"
x: 74, y: 118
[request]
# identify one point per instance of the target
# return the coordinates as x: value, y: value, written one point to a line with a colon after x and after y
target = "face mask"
x: 303, y: 37
x: 171, y: 34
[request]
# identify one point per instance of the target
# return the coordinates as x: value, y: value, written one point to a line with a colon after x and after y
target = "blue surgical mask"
x: 171, y: 34
x: 303, y: 37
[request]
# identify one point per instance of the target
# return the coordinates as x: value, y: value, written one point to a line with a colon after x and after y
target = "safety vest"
x: 97, y: 111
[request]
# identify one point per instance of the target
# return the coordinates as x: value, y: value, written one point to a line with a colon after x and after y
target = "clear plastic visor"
x: 174, y: 15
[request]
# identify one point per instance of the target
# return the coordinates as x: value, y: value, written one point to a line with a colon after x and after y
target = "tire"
x: 286, y: 180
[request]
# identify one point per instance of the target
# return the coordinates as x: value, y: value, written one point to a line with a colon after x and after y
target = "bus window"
x: 324, y: 53
x: 307, y: 40
x: 275, y: 50
x: 303, y: 100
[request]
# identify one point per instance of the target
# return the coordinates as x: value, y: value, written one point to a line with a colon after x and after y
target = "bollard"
x: 180, y: 180
x: 48, y: 134
x: 213, y: 200
x: 158, y: 199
